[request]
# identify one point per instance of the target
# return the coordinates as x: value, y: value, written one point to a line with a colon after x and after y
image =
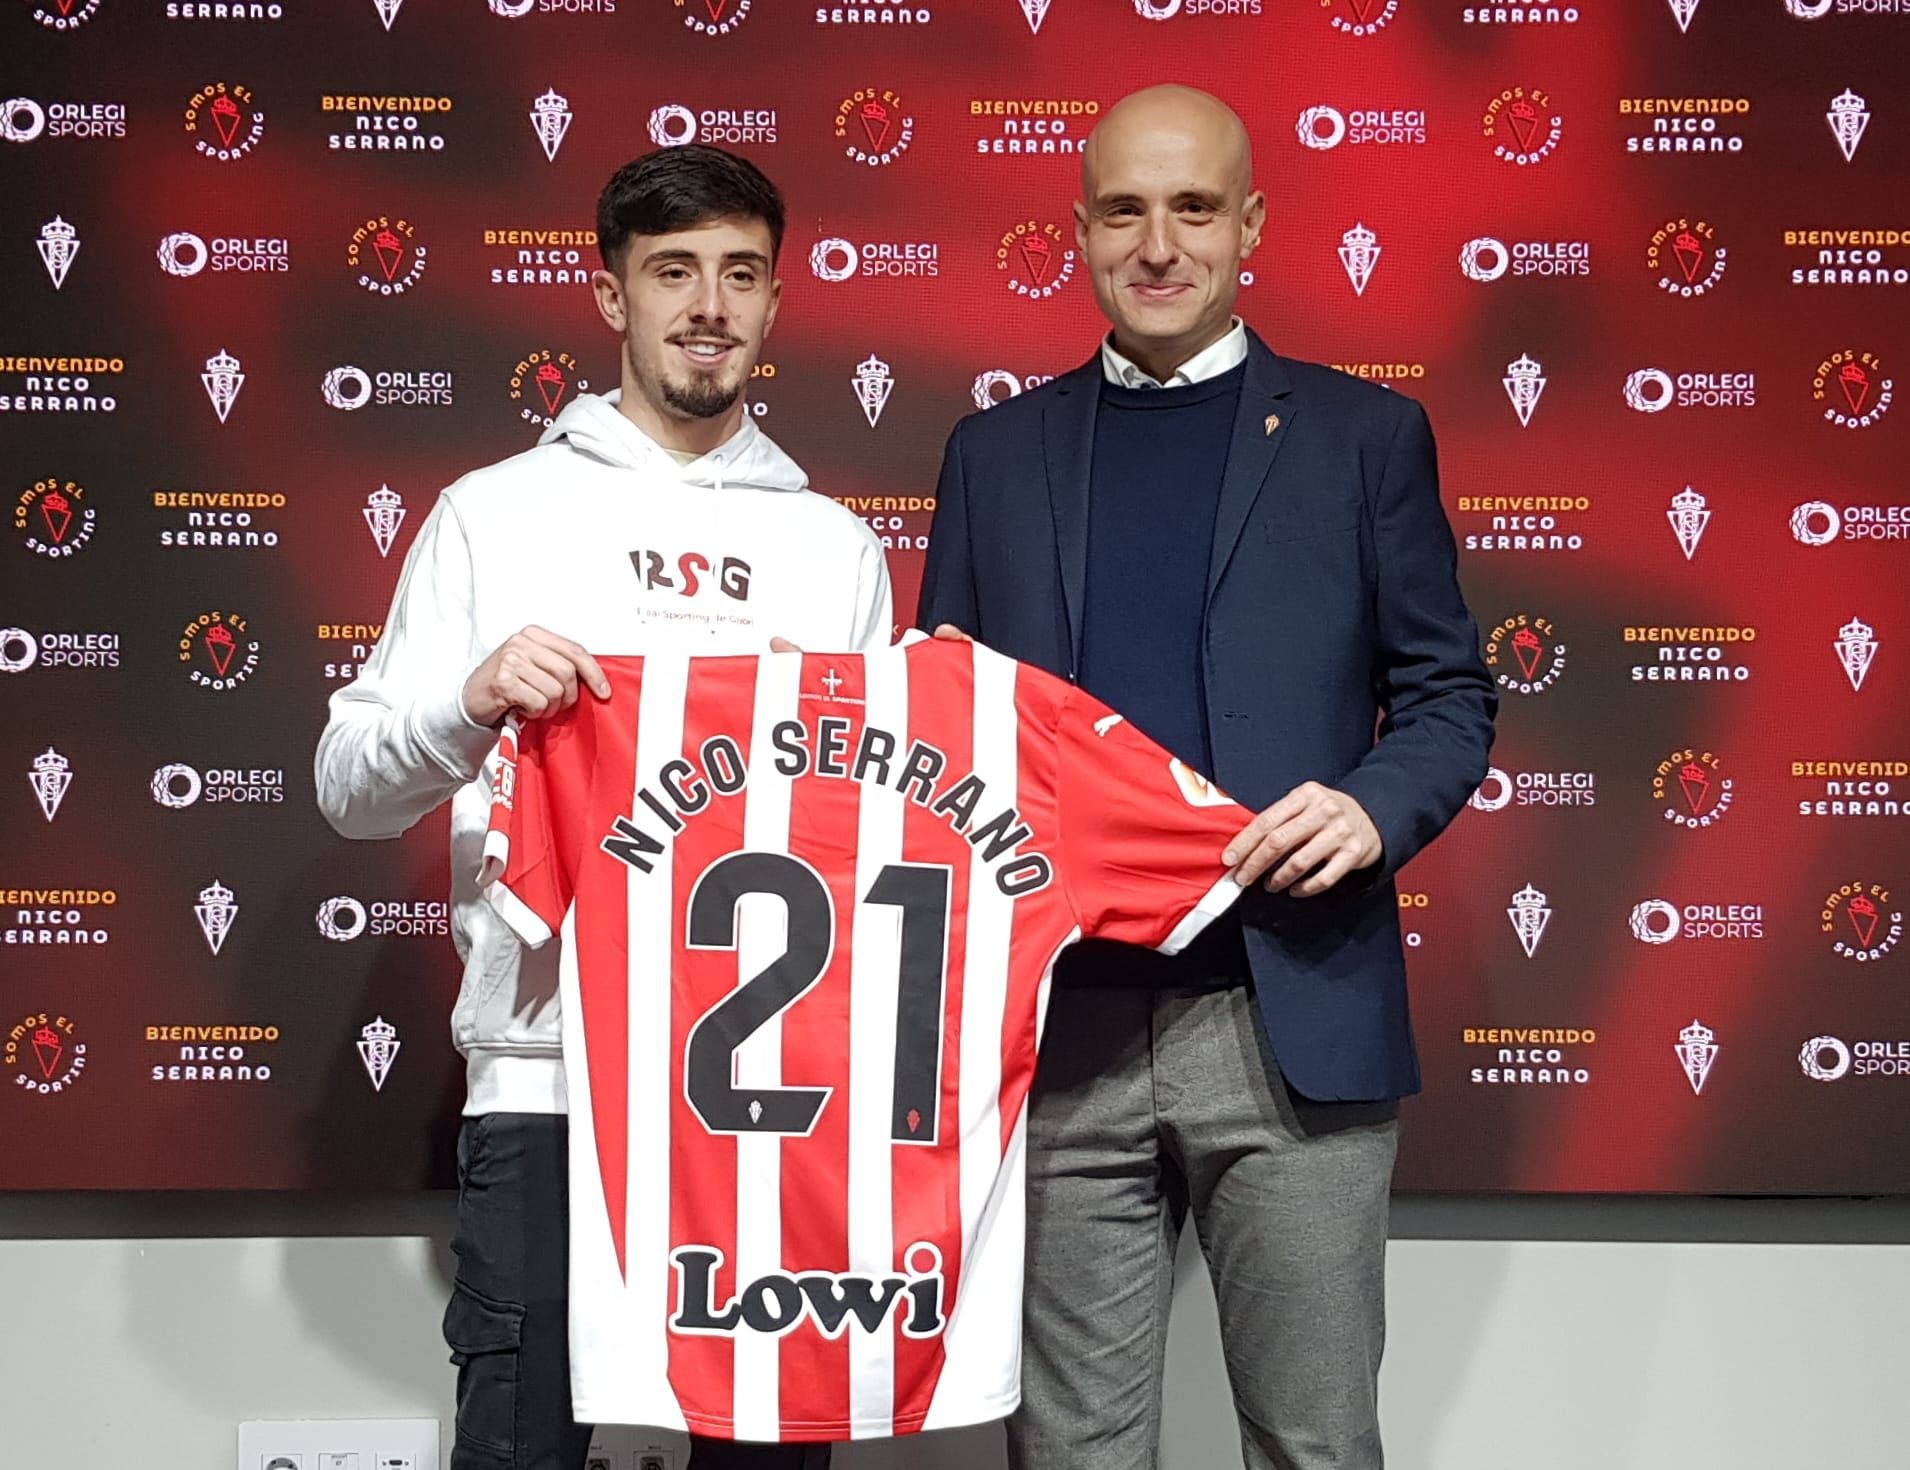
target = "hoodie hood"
x: 748, y: 459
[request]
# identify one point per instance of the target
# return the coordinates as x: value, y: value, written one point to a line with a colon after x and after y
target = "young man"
x: 655, y: 518
x: 1297, y: 592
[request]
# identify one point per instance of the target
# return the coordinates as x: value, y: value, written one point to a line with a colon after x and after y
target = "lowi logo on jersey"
x: 673, y: 125
x: 1691, y: 654
x: 1829, y: 1059
x: 360, y: 639
x: 712, y: 17
x: 1819, y: 523
x: 1500, y: 790
x: 1660, y: 921
x: 44, y: 1054
x: 218, y: 520
x: 1530, y: 914
x: 1852, y: 389
x: 50, y: 776
x: 52, y: 519
x: 1684, y: 124
x: 1851, y: 788
x: 217, y: 1054
x: 217, y: 650
x: 1685, y: 257
x: 60, y: 384
x: 541, y: 257
x: 1853, y: 257
x: 349, y: 388
x: 185, y: 254
x: 343, y: 918
x: 57, y: 916
x: 1653, y: 390
x: 1360, y: 17
x: 1532, y: 1056
x: 1697, y: 1050
x: 912, y: 1299
x: 1029, y: 126
x: 1689, y: 517
x: 224, y: 121
x: 1856, y: 648
x: 177, y: 786
x: 392, y: 124
x: 224, y: 10
x: 22, y: 649
x: 1522, y: 126
x: 518, y: 9
x: 1524, y: 523
x: 63, y: 15
x: 59, y: 246
x: 1525, y: 654
x: 1034, y: 259
x: 1520, y: 13
x: 23, y: 120
x: 1322, y: 127
x: 1691, y: 788
x: 834, y: 259
x: 873, y: 126
x: 1861, y: 921
x: 1487, y: 258
x: 542, y: 382
x: 385, y: 256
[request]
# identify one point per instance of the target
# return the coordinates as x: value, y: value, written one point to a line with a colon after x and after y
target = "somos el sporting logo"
x: 542, y: 382
x: 385, y: 256
x: 872, y: 127
x: 1525, y: 654
x: 1691, y: 789
x: 1852, y: 389
x: 1034, y: 259
x: 1860, y: 921
x: 51, y: 518
x: 218, y: 650
x: 224, y: 122
x: 1522, y: 126
x: 43, y: 1054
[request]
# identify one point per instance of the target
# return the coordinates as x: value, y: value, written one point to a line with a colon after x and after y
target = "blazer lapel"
x: 1068, y: 446
x: 1261, y: 426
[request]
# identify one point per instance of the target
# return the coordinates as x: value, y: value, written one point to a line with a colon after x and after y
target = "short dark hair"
x: 679, y: 189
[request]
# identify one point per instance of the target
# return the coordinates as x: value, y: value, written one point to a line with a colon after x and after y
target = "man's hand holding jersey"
x: 531, y: 674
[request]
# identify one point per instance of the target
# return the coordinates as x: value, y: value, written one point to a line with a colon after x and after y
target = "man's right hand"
x: 532, y: 673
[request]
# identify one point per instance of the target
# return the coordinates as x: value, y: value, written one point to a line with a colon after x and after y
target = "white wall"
x: 131, y: 1338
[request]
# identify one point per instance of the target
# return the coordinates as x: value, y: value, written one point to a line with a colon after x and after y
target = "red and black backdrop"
x: 277, y: 272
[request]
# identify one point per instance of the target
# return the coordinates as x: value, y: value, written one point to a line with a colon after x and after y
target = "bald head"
x: 1194, y: 122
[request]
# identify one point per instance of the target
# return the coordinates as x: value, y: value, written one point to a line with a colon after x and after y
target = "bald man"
x: 1247, y: 556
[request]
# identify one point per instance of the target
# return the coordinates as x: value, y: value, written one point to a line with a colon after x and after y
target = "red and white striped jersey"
x: 809, y: 907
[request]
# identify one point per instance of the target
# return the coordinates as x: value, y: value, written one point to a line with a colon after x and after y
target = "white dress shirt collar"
x: 1223, y: 357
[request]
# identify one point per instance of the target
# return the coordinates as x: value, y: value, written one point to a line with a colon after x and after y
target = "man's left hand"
x: 1321, y: 834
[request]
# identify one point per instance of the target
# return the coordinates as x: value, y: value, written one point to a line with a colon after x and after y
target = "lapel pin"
x: 1273, y: 422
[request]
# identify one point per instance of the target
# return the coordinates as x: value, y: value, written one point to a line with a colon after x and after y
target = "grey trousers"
x: 1149, y: 1104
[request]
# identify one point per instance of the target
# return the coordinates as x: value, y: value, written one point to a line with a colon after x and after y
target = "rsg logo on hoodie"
x: 732, y: 574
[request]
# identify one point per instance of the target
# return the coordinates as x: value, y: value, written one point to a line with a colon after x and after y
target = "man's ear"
x: 608, y: 291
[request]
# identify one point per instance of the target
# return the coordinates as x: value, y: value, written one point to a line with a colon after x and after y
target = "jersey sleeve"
x: 1142, y: 834
x: 525, y: 875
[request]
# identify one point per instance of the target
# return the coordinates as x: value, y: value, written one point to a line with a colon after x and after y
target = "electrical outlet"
x: 338, y: 1444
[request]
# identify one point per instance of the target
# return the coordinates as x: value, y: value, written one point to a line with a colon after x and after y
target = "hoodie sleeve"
x: 875, y: 603
x: 398, y: 741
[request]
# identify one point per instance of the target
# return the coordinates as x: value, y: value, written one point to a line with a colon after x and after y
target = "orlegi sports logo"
x: 673, y: 125
x: 177, y: 786
x: 60, y: 384
x: 349, y: 388
x: 1653, y: 390
x: 712, y: 17
x: 1852, y: 389
x: 44, y: 1054
x: 1686, y: 258
x: 186, y: 254
x: 1523, y: 126
x: 1195, y: 9
x: 344, y: 663
x: 224, y: 121
x: 218, y: 520
x: 217, y: 650
x: 1321, y: 127
x: 1830, y: 1059
x: 1819, y: 523
x: 22, y: 649
x: 1360, y: 17
x: 1532, y: 1056
x: 1684, y: 124
x: 216, y: 1054
x: 1034, y: 259
x: 224, y: 10
x: 1520, y: 13
x: 1487, y: 258
x: 1818, y: 9
x: 518, y: 9
x: 385, y: 255
x: 23, y: 120
x: 541, y: 257
x: 1692, y: 654
x: 343, y: 918
x: 873, y: 127
x: 1691, y: 788
x: 63, y: 15
x: 1524, y: 523
x: 52, y: 519
x: 390, y: 124
x: 1851, y: 788
x: 835, y: 260
x: 1660, y: 921
x: 1525, y: 654
x: 542, y: 382
x: 56, y: 916
x: 1861, y: 921
x: 1501, y: 789
x: 998, y: 385
x: 1853, y: 257
x: 1030, y: 126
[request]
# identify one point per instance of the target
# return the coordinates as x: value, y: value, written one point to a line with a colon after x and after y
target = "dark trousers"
x: 508, y: 1321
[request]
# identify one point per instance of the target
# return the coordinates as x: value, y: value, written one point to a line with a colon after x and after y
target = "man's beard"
x: 701, y: 398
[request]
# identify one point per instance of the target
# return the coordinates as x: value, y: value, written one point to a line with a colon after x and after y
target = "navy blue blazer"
x: 1333, y: 612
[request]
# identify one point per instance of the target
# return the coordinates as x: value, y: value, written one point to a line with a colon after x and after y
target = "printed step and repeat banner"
x: 277, y: 271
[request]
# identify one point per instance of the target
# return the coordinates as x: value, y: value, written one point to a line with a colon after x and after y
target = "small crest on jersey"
x: 1195, y: 788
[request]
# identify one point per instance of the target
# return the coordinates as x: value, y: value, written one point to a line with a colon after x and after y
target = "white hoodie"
x: 598, y: 535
